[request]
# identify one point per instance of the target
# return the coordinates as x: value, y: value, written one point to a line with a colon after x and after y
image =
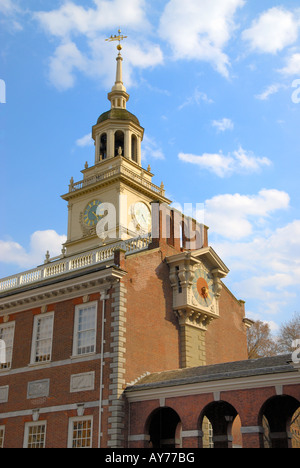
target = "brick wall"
x: 57, y: 374
x: 226, y: 337
x: 152, y: 338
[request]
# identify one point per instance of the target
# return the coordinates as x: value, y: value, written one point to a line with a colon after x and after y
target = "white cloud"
x: 40, y: 241
x: 11, y: 12
x: 269, y: 91
x: 266, y: 268
x: 274, y: 30
x: 197, y: 98
x: 92, y: 56
x: 216, y: 163
x: 150, y: 149
x: 264, y: 260
x: 238, y: 162
x: 86, y: 140
x: 200, y: 30
x: 292, y: 66
x: 235, y: 216
x: 7, y: 7
x: 223, y: 124
x: 66, y: 59
x: 71, y: 19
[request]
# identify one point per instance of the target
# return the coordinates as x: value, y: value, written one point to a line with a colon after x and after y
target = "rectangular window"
x: 85, y: 329
x: 42, y: 338
x: 7, y: 332
x: 2, y: 431
x: 35, y: 435
x: 80, y: 432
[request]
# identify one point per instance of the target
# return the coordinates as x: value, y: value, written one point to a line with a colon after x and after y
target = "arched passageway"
x: 221, y: 416
x: 164, y: 429
x: 276, y: 415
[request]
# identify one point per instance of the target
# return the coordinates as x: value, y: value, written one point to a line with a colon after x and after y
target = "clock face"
x: 142, y: 216
x: 203, y: 287
x: 90, y: 216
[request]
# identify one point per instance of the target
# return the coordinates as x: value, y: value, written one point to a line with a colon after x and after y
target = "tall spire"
x: 118, y: 95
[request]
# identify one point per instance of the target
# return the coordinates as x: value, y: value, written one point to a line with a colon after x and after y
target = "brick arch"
x: 278, y: 411
x: 248, y: 403
x: 163, y: 426
x: 221, y: 415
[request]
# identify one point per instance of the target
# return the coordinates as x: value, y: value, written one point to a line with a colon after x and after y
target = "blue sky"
x: 215, y: 84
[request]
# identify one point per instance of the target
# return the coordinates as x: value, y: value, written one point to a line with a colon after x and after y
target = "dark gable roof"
x: 228, y: 370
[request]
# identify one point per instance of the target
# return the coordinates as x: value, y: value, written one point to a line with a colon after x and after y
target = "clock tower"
x: 113, y: 201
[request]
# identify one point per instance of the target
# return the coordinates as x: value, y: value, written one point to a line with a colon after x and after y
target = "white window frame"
x: 79, y: 308
x: 2, y: 428
x: 71, y: 430
x: 27, y: 428
x: 34, y: 338
x: 4, y: 353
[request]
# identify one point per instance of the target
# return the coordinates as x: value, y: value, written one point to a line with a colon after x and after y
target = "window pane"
x: 43, y: 339
x: 82, y: 434
x: 2, y: 429
x: 86, y: 332
x: 6, y: 343
x: 36, y: 436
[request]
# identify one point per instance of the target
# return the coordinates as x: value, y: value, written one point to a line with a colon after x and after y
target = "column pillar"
x: 192, y: 344
x: 97, y: 149
x: 139, y: 150
x: 110, y: 144
x: 252, y: 436
x: 281, y: 439
x: 222, y: 441
x: 127, y: 145
x: 190, y: 439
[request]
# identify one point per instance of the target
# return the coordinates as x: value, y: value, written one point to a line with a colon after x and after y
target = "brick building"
x: 131, y: 330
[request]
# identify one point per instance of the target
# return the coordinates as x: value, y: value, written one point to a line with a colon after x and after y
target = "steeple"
x: 118, y: 132
x: 118, y: 95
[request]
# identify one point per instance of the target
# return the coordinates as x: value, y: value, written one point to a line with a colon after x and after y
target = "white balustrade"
x: 61, y: 267
x: 113, y: 172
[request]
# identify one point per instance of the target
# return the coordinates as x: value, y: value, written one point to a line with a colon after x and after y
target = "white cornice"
x: 197, y: 255
x: 200, y: 388
x: 60, y: 289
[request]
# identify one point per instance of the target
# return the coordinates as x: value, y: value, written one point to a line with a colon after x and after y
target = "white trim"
x: 49, y: 409
x: 252, y: 430
x: 194, y: 433
x: 139, y: 437
x: 48, y: 365
x: 45, y: 294
x: 200, y: 388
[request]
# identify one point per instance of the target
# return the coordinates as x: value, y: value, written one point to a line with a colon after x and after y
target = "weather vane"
x: 118, y: 38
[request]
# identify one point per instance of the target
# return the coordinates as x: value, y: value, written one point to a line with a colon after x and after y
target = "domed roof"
x: 118, y: 114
